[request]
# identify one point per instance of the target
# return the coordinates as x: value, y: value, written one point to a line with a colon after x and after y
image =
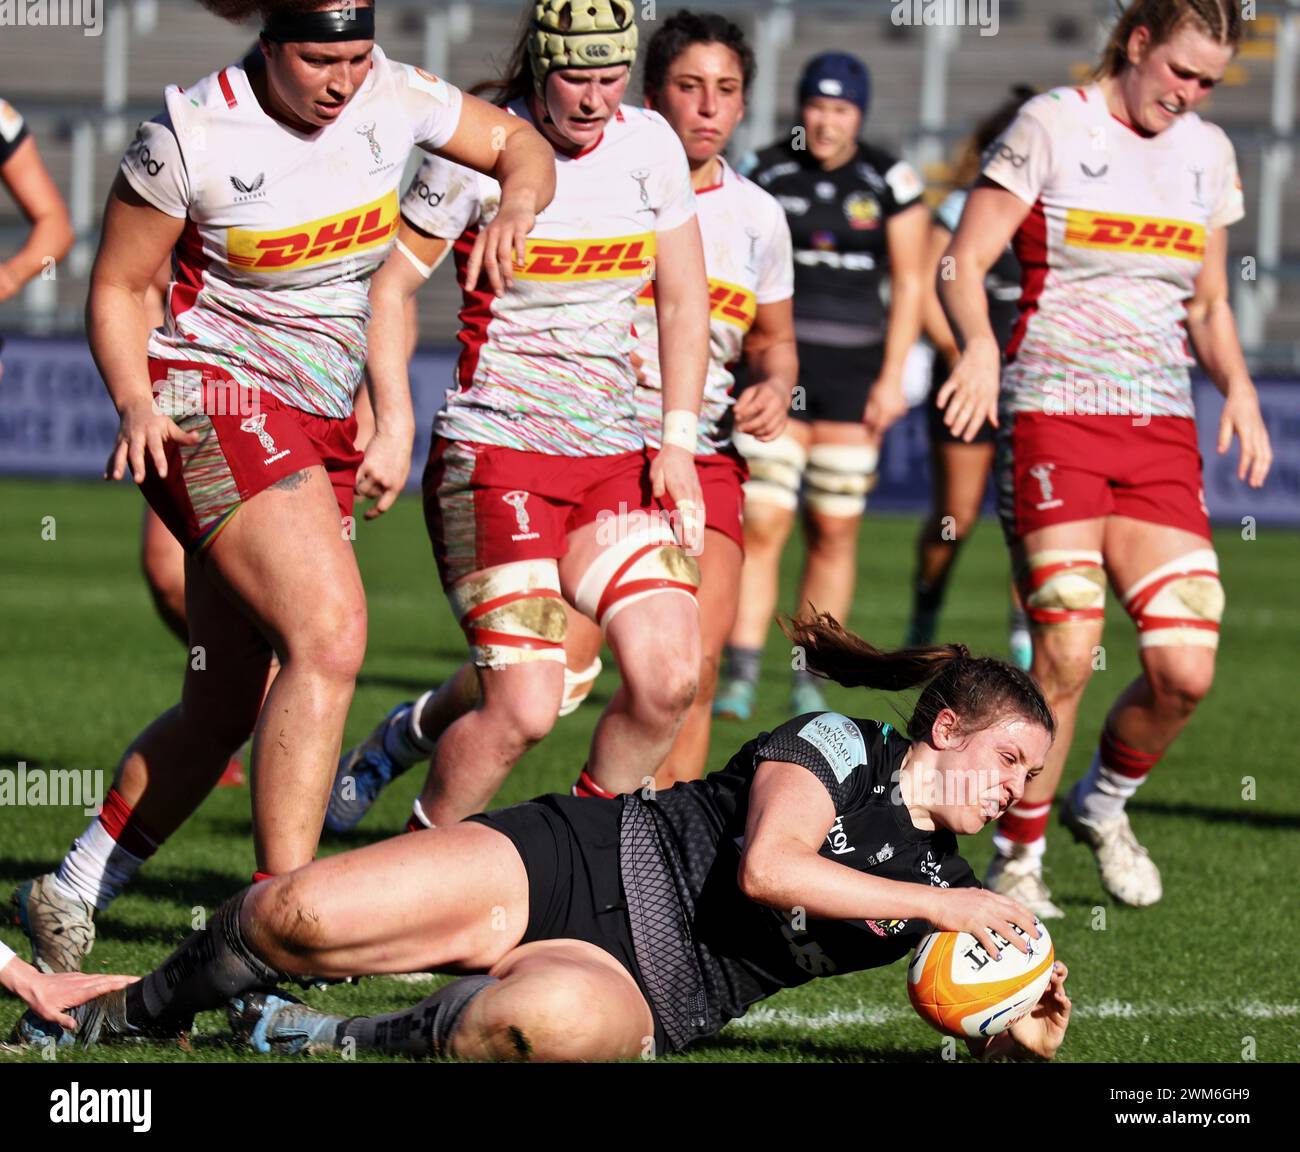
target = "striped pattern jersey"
x: 282, y: 228
x: 1110, y: 251
x: 747, y: 254
x: 547, y: 367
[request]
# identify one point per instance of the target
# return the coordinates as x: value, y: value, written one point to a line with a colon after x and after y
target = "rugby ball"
x: 956, y: 986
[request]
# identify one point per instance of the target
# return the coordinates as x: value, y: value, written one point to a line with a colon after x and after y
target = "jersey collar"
x: 724, y: 175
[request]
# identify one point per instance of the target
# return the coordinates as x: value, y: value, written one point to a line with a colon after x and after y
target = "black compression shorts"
x: 570, y: 849
x: 940, y: 433
x: 835, y: 382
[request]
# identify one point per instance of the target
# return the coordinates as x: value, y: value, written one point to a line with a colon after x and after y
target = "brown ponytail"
x: 1218, y: 19
x: 979, y: 689
x: 516, y: 79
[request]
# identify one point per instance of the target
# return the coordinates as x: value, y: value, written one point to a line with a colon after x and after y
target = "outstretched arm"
x: 789, y: 814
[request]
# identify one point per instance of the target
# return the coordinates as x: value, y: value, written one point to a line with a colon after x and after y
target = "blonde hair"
x: 1218, y: 19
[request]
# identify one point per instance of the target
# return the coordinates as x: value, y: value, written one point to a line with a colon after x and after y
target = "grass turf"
x: 1202, y: 976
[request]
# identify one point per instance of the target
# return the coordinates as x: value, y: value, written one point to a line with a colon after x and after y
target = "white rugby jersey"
x: 283, y: 228
x: 748, y: 256
x: 547, y: 367
x: 1110, y: 253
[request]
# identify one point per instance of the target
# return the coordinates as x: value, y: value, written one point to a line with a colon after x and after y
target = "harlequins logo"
x: 1043, y: 474
x: 368, y: 131
x: 517, y: 500
x: 250, y: 190
x: 257, y: 426
x: 641, y: 175
x: 1088, y: 172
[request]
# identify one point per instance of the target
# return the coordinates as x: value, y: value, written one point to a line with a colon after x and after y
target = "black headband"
x: 328, y: 27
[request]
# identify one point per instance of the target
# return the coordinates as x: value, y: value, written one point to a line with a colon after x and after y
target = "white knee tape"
x: 1180, y: 603
x: 1065, y: 585
x: 512, y: 614
x: 646, y: 562
x: 840, y: 476
x: 577, y: 685
x: 776, y: 469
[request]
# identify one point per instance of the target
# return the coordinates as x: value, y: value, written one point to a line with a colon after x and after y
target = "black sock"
x: 422, y: 1030
x: 743, y: 663
x: 927, y: 599
x: 204, y: 972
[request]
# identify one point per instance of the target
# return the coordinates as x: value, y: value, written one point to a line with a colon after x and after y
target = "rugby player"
x: 589, y: 929
x: 698, y: 69
x: 539, y: 488
x: 1118, y: 197
x: 273, y: 184
x: 857, y: 216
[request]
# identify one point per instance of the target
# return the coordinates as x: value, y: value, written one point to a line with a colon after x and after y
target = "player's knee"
x: 662, y: 686
x: 530, y: 717
x: 1182, y: 688
x: 332, y: 642
x: 776, y: 469
x: 837, y: 483
x: 1064, y: 586
x: 289, y: 930
x: 958, y: 523
x: 832, y: 536
x: 556, y: 1019
x: 1065, y: 668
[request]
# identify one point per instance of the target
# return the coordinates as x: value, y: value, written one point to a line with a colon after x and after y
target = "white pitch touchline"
x: 1102, y: 1010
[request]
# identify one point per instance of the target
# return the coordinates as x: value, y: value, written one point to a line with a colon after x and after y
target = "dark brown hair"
x: 515, y: 81
x: 1218, y: 19
x: 979, y: 689
x: 684, y: 29
x: 237, y: 11
x: 971, y: 160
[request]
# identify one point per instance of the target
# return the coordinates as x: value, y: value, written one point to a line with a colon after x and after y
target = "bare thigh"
x: 445, y: 899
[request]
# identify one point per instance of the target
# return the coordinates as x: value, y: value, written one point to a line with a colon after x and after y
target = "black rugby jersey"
x: 12, y: 130
x: 706, y: 949
x: 837, y: 222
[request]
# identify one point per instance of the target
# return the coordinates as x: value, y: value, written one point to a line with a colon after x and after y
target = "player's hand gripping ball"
x: 957, y: 987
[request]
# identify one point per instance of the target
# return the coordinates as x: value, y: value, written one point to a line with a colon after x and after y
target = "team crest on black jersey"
x: 862, y: 211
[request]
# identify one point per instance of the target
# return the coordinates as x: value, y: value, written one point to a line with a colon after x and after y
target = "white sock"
x: 96, y: 868
x: 1103, y: 792
x: 403, y: 740
x: 418, y: 812
x: 1014, y: 850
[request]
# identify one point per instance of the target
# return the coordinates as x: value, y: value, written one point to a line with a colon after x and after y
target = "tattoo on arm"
x: 292, y: 481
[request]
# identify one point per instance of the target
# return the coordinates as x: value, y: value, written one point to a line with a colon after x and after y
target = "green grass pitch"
x: 1205, y: 975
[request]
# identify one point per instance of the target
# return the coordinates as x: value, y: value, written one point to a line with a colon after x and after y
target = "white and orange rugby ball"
x: 957, y: 987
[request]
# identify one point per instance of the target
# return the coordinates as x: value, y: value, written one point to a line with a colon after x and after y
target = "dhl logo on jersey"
x: 1151, y: 234
x: 612, y: 258
x: 729, y: 303
x: 316, y: 241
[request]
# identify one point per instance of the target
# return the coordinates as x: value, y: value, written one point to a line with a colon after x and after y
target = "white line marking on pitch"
x: 1102, y: 1010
